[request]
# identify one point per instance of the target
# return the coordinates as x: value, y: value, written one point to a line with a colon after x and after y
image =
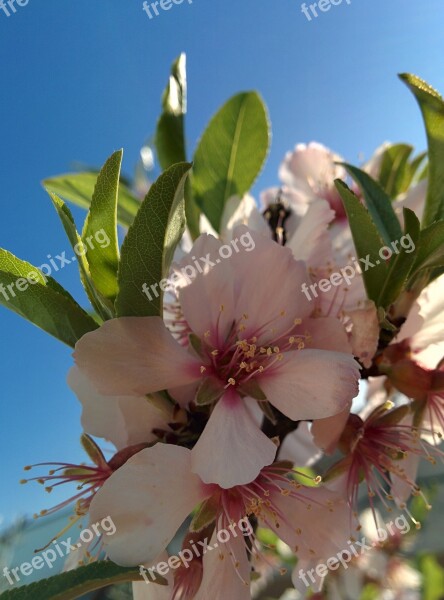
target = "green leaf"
x: 78, y: 188
x: 432, y: 577
x: 170, y: 134
x: 103, y: 254
x: 70, y: 228
x: 379, y: 205
x: 77, y: 583
x: 43, y: 302
x: 431, y: 248
x: 149, y: 245
x: 416, y: 164
x: 396, y: 176
x: 401, y: 264
x: 230, y: 154
x: 432, y: 108
x: 366, y: 238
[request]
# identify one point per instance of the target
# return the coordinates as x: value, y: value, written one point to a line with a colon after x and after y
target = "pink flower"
x: 311, y: 169
x: 383, y: 451
x: 155, y: 491
x: 252, y: 340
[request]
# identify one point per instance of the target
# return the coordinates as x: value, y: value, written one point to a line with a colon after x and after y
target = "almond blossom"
x: 154, y: 492
x: 252, y: 340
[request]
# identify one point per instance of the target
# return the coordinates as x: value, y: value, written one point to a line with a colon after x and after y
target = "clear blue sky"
x: 82, y: 78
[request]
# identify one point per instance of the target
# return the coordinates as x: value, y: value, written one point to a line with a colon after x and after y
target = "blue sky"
x: 81, y: 79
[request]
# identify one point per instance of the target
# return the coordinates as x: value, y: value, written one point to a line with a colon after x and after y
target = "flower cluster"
x: 233, y: 396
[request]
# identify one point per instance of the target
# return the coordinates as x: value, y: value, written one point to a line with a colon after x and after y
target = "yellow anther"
x: 232, y: 381
x: 203, y: 369
x: 297, y: 321
x: 215, y: 352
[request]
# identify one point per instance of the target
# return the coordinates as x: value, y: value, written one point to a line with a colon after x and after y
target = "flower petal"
x: 311, y: 384
x: 242, y: 212
x: 226, y: 572
x: 268, y: 287
x: 148, y: 499
x: 204, y: 287
x: 232, y: 449
x: 134, y: 356
x: 122, y: 420
x: 311, y: 241
x: 326, y: 432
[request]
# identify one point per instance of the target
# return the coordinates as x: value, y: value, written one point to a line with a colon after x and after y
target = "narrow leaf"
x: 431, y: 248
x: 97, y: 301
x: 432, y: 108
x: 102, y: 252
x: 78, y: 188
x: 367, y: 241
x: 230, y: 154
x: 149, y: 246
x: 395, y: 175
x: 170, y: 134
x: 77, y: 583
x: 401, y: 264
x: 379, y: 205
x: 39, y: 299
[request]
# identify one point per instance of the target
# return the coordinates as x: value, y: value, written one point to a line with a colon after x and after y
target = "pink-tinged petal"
x: 326, y: 333
x: 226, y: 571
x: 232, y: 449
x: 311, y: 384
x: 326, y: 432
x: 311, y: 241
x: 242, y: 212
x: 134, y: 356
x: 299, y: 448
x: 185, y: 394
x: 364, y: 335
x: 148, y: 499
x: 147, y: 590
x: 268, y: 283
x: 122, y: 420
x: 151, y: 591
x: 312, y: 169
x: 401, y: 490
x: 316, y: 528
x: 205, y: 287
